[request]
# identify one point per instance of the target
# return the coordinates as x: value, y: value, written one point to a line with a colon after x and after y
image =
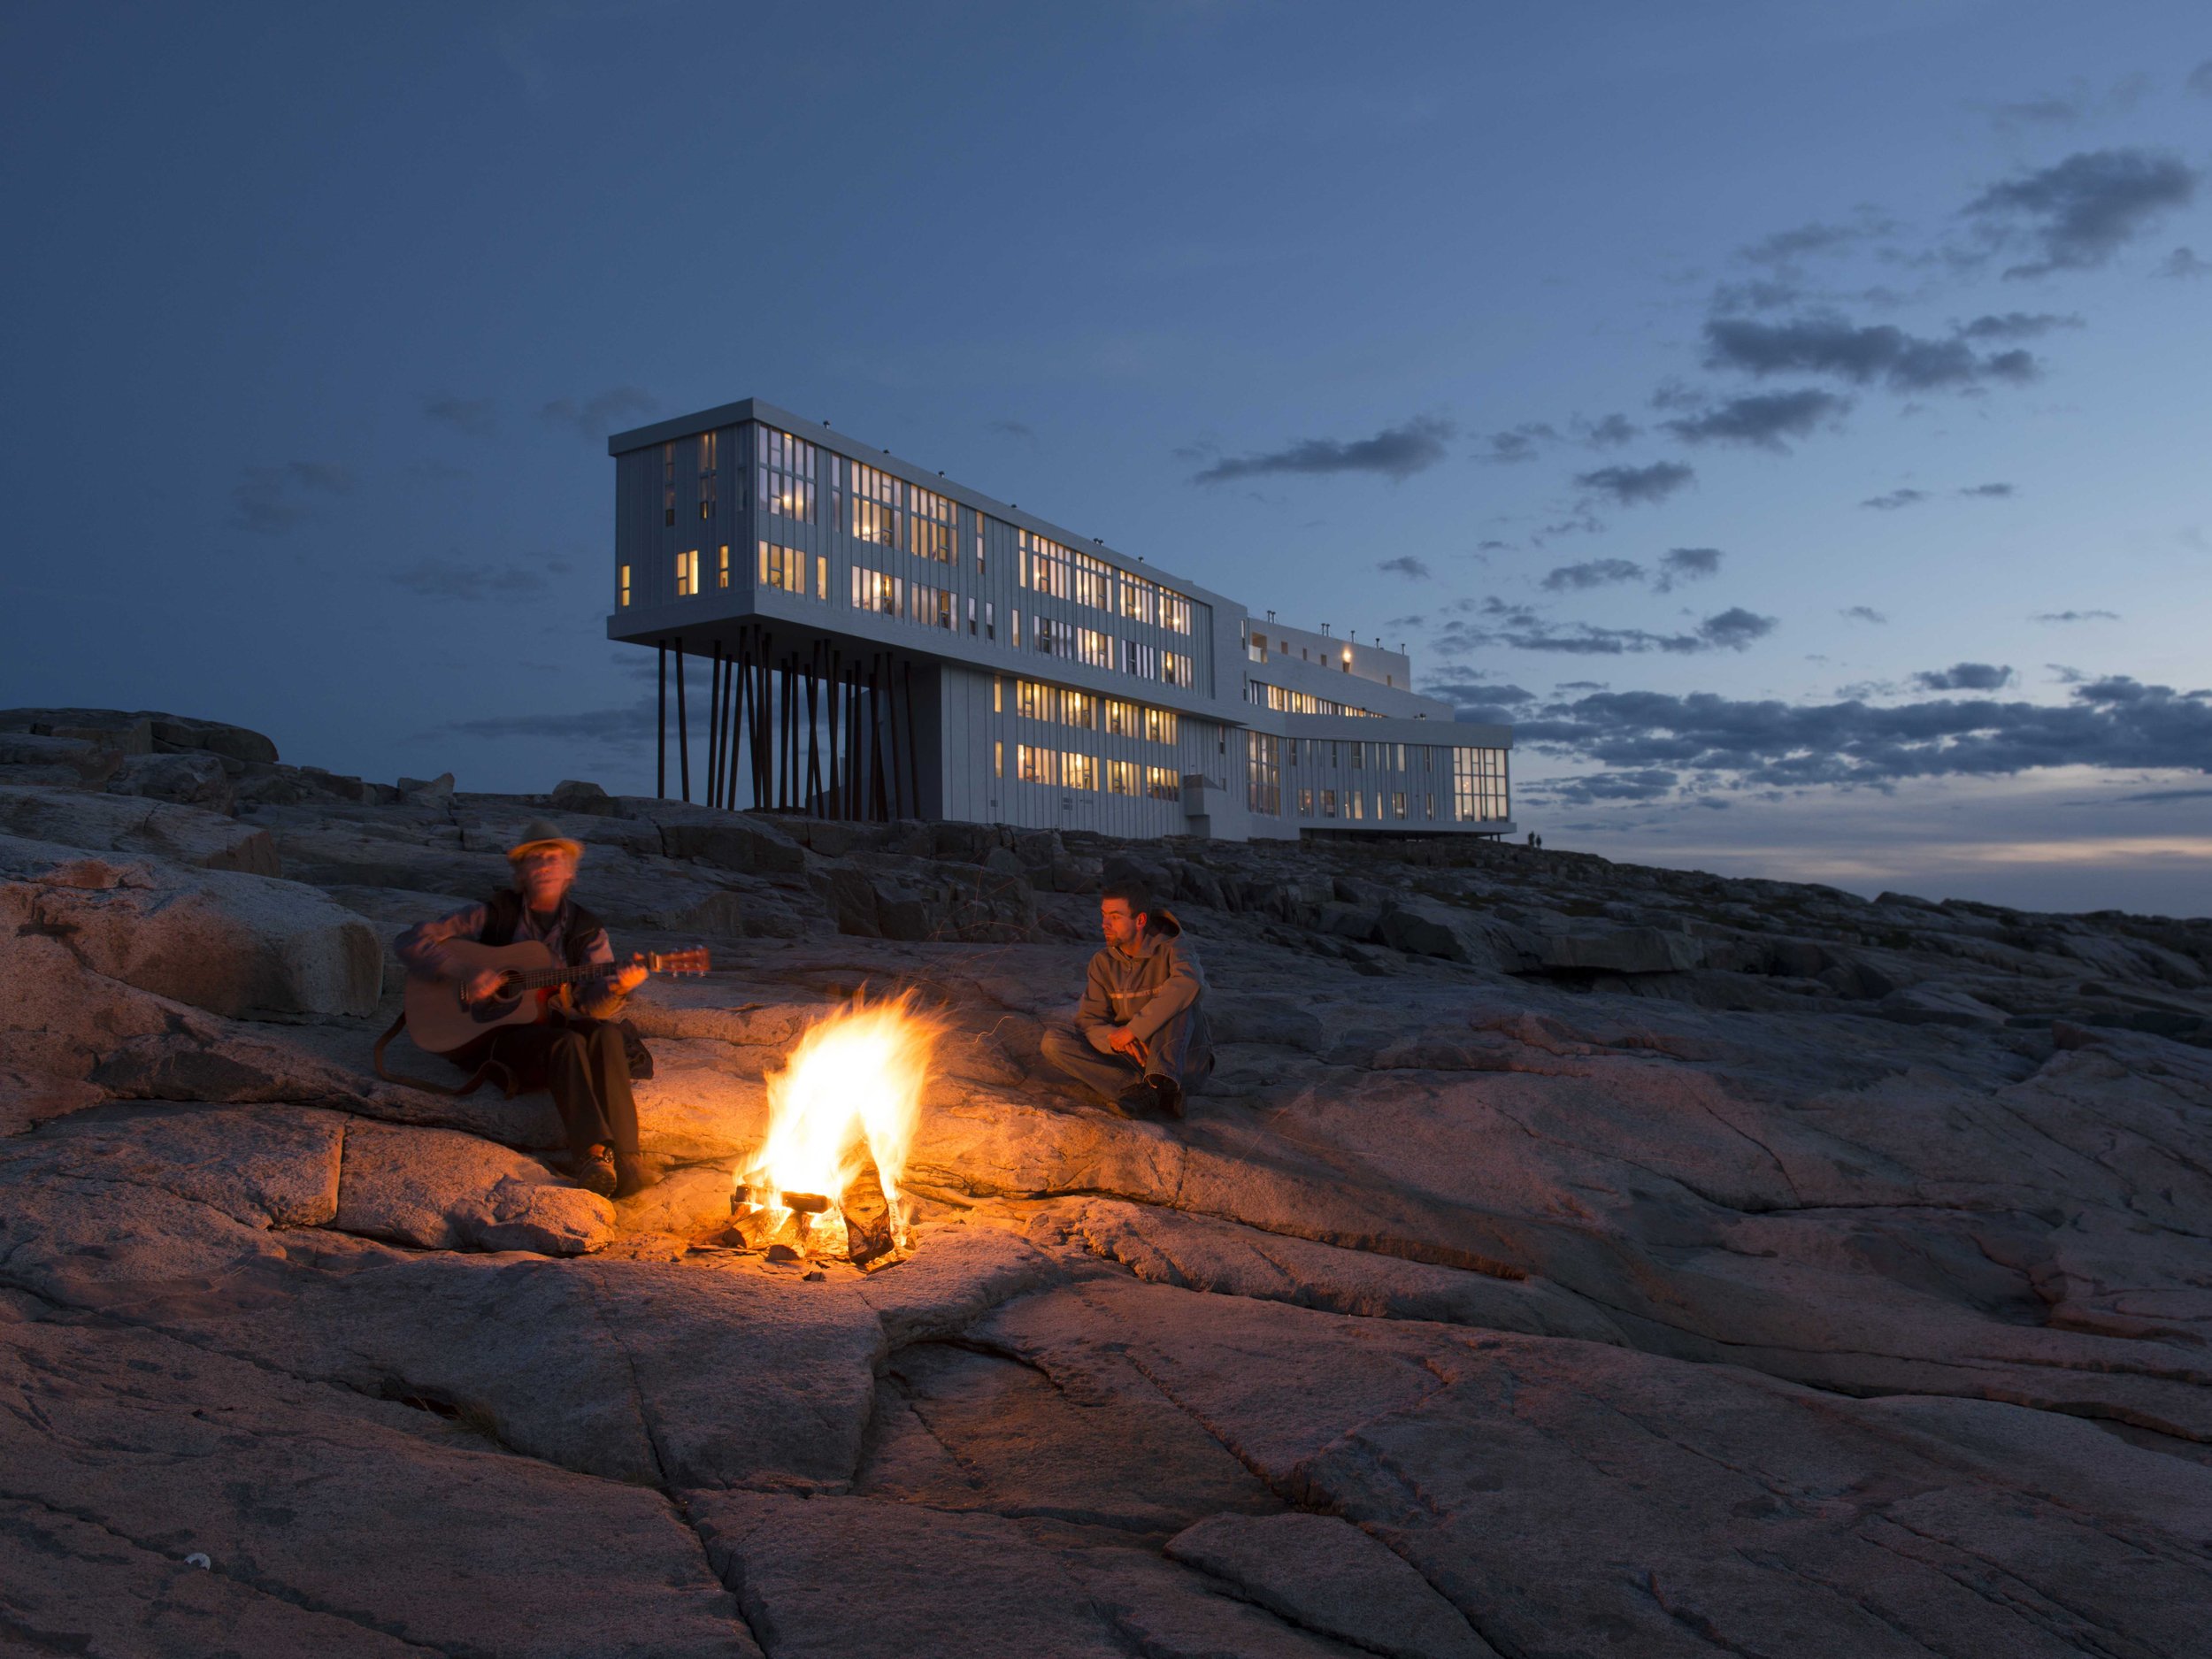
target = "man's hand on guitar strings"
x: 630, y: 976
x: 482, y: 986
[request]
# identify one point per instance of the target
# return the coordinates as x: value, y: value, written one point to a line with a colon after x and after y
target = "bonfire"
x: 841, y: 1121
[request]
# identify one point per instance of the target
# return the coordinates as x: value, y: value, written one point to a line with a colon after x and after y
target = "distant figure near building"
x: 1139, y: 1037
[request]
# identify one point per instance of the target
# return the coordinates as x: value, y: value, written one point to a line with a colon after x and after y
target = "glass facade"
x: 785, y: 466
x: 1480, y: 781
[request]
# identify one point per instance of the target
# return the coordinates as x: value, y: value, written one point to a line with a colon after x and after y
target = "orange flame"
x: 855, y: 1080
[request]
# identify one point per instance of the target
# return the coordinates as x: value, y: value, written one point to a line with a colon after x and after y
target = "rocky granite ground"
x: 1571, y: 1258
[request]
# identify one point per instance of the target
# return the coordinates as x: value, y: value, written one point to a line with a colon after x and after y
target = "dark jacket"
x: 1144, y: 992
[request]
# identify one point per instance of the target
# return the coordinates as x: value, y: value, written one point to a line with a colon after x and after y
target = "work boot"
x: 1168, y: 1094
x: 593, y: 1172
x: 630, y: 1177
x: 1137, y: 1100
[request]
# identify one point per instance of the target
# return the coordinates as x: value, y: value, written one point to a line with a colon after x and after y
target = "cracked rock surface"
x: 1567, y: 1258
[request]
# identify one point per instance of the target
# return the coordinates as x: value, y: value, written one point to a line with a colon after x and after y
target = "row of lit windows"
x: 931, y: 606
x: 785, y: 466
x: 1070, y: 769
x: 1357, y: 804
x: 1283, y: 700
x: 1046, y: 567
x: 710, y: 448
x: 1033, y: 699
x: 1328, y: 751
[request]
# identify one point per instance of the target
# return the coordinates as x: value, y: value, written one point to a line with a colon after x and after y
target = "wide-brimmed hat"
x: 539, y: 832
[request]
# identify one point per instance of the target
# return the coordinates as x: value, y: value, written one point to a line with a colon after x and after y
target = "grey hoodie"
x: 1144, y: 992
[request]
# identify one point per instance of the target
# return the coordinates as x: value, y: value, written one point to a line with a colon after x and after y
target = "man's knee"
x: 1060, y: 1044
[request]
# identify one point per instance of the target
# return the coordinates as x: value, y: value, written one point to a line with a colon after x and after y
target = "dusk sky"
x: 1792, y: 418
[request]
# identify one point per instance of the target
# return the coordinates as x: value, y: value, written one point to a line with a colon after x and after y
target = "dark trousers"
x: 1172, y: 1053
x: 581, y: 1062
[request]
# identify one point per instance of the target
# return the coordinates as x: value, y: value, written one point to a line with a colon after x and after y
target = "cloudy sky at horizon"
x: 1791, y: 418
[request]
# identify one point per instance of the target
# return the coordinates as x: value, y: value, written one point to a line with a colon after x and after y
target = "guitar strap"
x: 477, y: 1079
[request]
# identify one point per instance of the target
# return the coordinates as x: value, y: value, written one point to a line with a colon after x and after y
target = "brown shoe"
x: 630, y: 1177
x: 593, y: 1172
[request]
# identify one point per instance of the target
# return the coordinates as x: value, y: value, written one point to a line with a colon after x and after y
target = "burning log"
x: 842, y: 1116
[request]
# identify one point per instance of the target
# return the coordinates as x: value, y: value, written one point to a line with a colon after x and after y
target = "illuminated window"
x: 979, y: 544
x: 1255, y: 648
x: 622, y: 588
x: 929, y: 525
x: 782, y: 567
x: 786, y: 465
x: 1122, y: 718
x: 687, y: 574
x: 1094, y: 583
x: 1357, y: 801
x: 879, y: 504
x: 1264, y: 780
x: 1163, y: 783
x: 1046, y: 566
x: 1014, y: 620
x: 1094, y: 647
x: 1140, y: 599
x: 709, y: 450
x: 1036, y: 765
x: 1159, y: 725
x: 1481, y: 785
x: 1305, y: 803
x: 1397, y: 803
x: 1121, y: 776
x: 821, y: 576
x: 1175, y: 611
x: 722, y: 567
x: 1078, y: 772
x: 932, y: 607
x: 998, y: 695
x: 1033, y: 701
x: 872, y: 590
x: 998, y: 760
x: 1177, y: 670
x: 1078, y: 709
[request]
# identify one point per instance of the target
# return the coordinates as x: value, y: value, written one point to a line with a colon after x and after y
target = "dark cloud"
x: 451, y: 578
x: 1688, y: 565
x: 599, y: 417
x: 1405, y: 564
x: 2074, y: 616
x: 477, y: 415
x: 1964, y: 677
x: 1592, y: 574
x: 2183, y: 263
x: 2115, y: 722
x: 1626, y: 486
x: 1895, y: 499
x: 1785, y: 250
x: 1520, y: 629
x: 1396, y: 452
x: 1879, y: 352
x: 1988, y: 492
x: 1609, y: 433
x: 268, y: 501
x: 1012, y: 428
x: 1762, y: 420
x: 2078, y: 104
x: 1863, y: 613
x: 2015, y: 326
x: 1516, y: 443
x: 2079, y: 212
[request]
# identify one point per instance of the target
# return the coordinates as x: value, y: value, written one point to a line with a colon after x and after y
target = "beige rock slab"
x: 444, y: 1190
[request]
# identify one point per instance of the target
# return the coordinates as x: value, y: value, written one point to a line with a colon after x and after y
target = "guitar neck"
x: 546, y: 978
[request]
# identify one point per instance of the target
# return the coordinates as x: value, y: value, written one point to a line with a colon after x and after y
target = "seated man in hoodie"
x: 1139, y: 1037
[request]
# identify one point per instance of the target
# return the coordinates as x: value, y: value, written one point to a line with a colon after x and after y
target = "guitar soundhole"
x: 494, y: 1008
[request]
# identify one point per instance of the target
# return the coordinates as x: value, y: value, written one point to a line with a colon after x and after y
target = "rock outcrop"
x: 1566, y: 1257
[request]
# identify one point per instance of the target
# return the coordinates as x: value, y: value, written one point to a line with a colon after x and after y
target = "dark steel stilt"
x: 714, y: 728
x: 913, y: 752
x: 660, y: 759
x: 683, y: 728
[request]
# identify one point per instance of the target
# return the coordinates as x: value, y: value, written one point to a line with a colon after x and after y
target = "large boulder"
x: 117, y: 823
x: 231, y: 943
x: 1623, y: 951
x: 189, y: 780
x: 441, y: 1189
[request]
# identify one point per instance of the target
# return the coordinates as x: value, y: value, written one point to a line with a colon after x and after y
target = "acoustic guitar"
x: 439, y: 1021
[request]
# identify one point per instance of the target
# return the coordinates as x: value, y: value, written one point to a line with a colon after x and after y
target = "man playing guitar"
x: 576, y: 1052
